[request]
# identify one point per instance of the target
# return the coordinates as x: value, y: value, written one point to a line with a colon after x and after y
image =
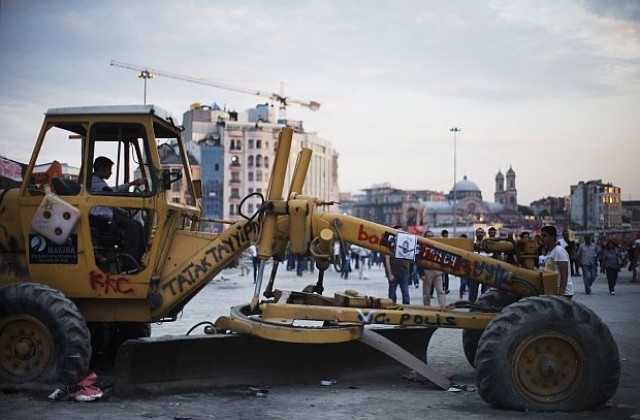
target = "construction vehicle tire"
x: 497, y: 299
x: 43, y: 336
x: 547, y: 353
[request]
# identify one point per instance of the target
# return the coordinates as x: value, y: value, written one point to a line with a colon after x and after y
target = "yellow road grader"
x: 70, y: 293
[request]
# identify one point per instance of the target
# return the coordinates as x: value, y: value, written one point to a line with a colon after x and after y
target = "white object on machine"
x: 55, y: 219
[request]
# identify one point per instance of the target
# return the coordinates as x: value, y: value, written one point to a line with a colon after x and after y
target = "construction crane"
x: 148, y: 73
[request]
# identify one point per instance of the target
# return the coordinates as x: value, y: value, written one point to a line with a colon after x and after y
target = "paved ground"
x: 385, y: 397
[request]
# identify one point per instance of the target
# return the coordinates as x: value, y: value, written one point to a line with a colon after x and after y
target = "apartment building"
x: 595, y: 205
x: 236, y: 151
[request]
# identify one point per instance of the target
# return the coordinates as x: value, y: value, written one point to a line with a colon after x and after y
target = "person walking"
x: 612, y: 261
x: 363, y: 255
x: 587, y: 257
x: 445, y: 234
x: 397, y: 271
x: 432, y: 279
x: 464, y: 282
x: 242, y: 262
x: 473, y: 285
x: 346, y: 262
x: 252, y: 252
x: 557, y: 259
x: 570, y: 246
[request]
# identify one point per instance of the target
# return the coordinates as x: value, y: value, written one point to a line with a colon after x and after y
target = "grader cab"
x: 69, y: 292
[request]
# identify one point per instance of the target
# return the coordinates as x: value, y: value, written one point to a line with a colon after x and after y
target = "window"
x: 258, y: 144
x: 258, y: 161
x: 235, y: 160
x: 250, y: 161
x: 232, y: 209
x: 235, y: 193
x: 216, y: 167
x: 250, y: 176
x: 250, y: 142
x: 125, y: 145
x: 258, y: 176
x: 250, y: 208
x: 266, y: 161
x: 58, y: 142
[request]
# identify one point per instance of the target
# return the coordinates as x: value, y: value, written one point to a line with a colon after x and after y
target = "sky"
x: 550, y: 88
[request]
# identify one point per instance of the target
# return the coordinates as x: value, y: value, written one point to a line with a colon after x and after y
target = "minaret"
x: 511, y: 194
x: 499, y: 194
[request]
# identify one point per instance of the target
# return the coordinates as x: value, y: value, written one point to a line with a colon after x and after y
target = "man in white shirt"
x: 557, y: 259
x: 252, y: 251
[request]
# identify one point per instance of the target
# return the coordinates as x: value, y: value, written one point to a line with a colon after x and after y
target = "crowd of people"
x: 588, y: 259
x: 556, y: 252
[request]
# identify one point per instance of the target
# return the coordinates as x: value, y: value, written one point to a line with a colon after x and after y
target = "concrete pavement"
x: 384, y: 397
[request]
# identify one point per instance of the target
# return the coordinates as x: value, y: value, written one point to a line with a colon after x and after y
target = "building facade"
x: 236, y: 153
x: 390, y: 206
x: 595, y: 205
x: 418, y: 209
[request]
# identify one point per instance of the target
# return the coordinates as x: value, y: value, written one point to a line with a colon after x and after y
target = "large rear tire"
x: 43, y: 336
x: 547, y: 353
x: 497, y: 299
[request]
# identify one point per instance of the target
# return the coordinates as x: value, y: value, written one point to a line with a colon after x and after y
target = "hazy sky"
x: 549, y: 87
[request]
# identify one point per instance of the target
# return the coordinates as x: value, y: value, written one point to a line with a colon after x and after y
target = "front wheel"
x: 43, y: 336
x: 547, y: 353
x: 493, y: 301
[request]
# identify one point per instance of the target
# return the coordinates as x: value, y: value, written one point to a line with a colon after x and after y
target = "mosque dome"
x: 464, y: 189
x: 466, y: 186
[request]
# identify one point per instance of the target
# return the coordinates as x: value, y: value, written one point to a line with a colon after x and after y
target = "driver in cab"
x: 131, y: 229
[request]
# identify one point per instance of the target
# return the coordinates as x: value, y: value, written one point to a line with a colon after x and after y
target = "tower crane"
x: 147, y: 73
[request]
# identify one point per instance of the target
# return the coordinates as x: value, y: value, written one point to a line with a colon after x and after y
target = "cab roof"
x: 112, y: 109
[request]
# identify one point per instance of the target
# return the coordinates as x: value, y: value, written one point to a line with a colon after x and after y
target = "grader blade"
x: 182, y: 364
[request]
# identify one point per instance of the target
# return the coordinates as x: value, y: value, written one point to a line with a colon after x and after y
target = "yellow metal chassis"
x: 296, y: 222
x: 285, y: 321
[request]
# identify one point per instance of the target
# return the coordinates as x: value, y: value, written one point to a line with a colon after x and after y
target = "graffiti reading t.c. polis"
x: 379, y: 317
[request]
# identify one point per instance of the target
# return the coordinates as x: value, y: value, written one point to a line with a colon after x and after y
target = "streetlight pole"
x: 455, y: 131
x: 145, y: 74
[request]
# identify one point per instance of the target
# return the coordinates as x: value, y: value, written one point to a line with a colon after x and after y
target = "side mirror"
x: 169, y: 178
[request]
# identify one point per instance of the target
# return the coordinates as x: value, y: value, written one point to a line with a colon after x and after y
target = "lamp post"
x: 455, y: 131
x: 145, y: 74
